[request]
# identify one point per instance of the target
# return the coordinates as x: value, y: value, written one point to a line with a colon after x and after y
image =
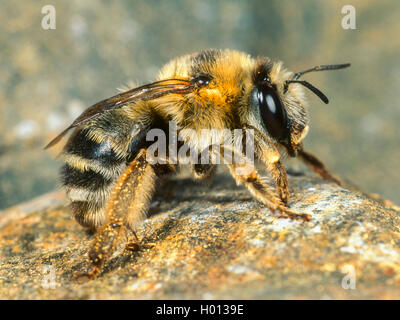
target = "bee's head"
x: 278, y: 103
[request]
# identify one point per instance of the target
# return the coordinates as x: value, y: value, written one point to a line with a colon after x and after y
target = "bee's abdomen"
x: 89, y: 173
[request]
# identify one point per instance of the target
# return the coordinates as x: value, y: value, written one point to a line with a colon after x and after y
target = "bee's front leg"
x: 280, y: 179
x: 270, y: 156
x: 244, y: 172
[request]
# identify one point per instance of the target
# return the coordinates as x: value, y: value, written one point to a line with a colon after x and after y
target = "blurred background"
x: 48, y: 77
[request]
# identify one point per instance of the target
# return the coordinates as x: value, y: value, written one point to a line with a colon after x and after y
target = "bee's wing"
x: 147, y: 92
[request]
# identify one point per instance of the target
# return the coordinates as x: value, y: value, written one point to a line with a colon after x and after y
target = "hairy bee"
x: 107, y: 175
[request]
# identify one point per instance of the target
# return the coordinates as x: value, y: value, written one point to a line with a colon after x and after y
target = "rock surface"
x: 48, y: 77
x: 212, y: 242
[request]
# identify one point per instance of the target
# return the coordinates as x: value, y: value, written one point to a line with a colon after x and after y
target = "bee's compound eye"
x: 272, y: 112
x: 201, y: 81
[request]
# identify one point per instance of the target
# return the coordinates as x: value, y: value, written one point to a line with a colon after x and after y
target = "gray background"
x: 49, y: 76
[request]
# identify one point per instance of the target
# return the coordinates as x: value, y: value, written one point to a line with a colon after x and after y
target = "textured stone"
x: 47, y: 77
x: 212, y: 242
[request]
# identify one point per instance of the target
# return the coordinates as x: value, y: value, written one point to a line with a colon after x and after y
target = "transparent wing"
x: 146, y: 92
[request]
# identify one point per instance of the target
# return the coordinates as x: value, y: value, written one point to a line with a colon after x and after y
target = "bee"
x: 110, y: 181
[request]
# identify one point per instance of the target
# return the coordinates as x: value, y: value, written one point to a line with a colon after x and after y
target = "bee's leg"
x: 203, y: 171
x: 133, y: 243
x: 245, y: 173
x: 127, y: 206
x: 270, y: 156
x: 318, y: 167
x: 280, y: 179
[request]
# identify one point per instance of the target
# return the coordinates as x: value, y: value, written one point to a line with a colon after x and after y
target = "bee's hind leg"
x: 126, y: 207
x: 134, y: 243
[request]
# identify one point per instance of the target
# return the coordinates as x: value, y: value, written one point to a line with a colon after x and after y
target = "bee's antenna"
x: 321, y: 68
x: 309, y: 86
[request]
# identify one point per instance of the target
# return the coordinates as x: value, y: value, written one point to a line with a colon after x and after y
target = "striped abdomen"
x: 89, y: 173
